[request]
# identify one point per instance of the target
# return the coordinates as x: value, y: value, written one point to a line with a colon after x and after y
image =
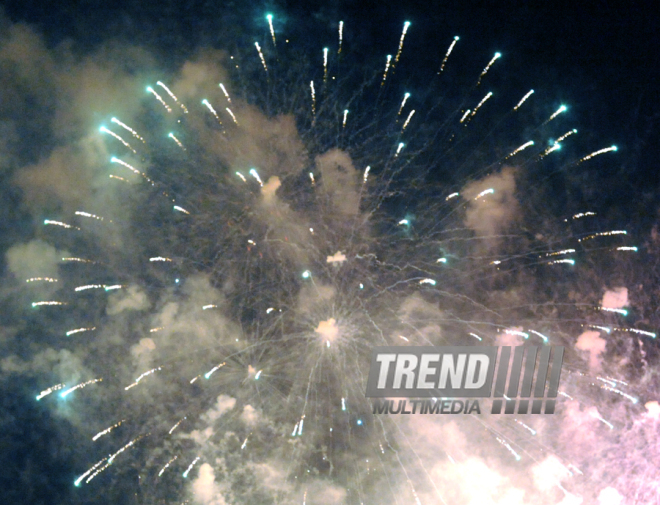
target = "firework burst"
x: 266, y: 217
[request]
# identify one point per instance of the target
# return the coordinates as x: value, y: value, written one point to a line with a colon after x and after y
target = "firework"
x: 227, y: 334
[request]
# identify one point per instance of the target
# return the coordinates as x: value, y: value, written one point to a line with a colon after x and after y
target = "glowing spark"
x: 483, y: 101
x: 343, y: 124
x: 603, y: 234
x: 517, y: 333
x: 403, y: 103
x: 524, y: 99
x: 244, y: 443
x: 118, y: 178
x: 112, y: 287
x: 495, y: 262
x: 561, y: 109
x: 103, y: 129
x: 41, y: 279
x: 87, y: 214
x: 210, y: 108
x: 178, y: 142
x: 566, y: 135
x: 623, y: 312
x: 256, y: 377
x: 567, y: 261
x: 78, y: 260
x: 145, y: 374
x: 619, y: 392
x: 399, y: 148
x: 510, y: 449
x: 306, y: 274
x: 208, y: 374
x: 405, y: 124
x: 172, y: 96
x: 261, y: 55
x: 224, y: 90
x: 50, y: 390
x: 253, y: 173
x: 107, y: 430
x: 467, y: 113
x: 88, y: 286
x: 80, y: 479
x: 79, y: 330
x: 206, y: 307
x: 582, y: 214
x: 269, y: 17
x: 451, y: 48
x: 241, y: 176
x: 545, y: 339
x: 403, y: 36
x: 127, y: 446
x: 269, y: 310
x: 232, y: 115
x: 341, y: 36
x: 441, y: 260
x: 597, y: 416
x: 130, y: 167
x: 162, y: 470
x: 521, y: 148
x: 59, y: 223
x: 46, y: 303
x: 66, y: 393
x: 602, y: 328
x: 311, y: 87
x: 325, y: 64
x: 485, y: 192
x: 476, y: 336
x: 366, y: 174
x: 453, y: 195
x: 487, y: 67
x: 159, y: 98
x: 596, y: 153
x: 559, y: 253
x: 176, y: 426
x: 403, y: 338
x: 127, y: 128
x: 160, y: 258
x: 626, y: 248
x: 185, y: 474
x: 154, y: 330
x: 533, y: 432
x: 428, y: 281
x: 554, y: 147
x: 404, y: 221
x: 635, y: 330
x: 97, y: 472
x: 181, y: 209
x: 387, y: 67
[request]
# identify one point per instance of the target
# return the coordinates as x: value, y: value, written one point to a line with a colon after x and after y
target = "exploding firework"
x: 268, y: 217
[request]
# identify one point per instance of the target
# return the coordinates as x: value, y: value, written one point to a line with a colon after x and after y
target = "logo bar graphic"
x: 469, y: 372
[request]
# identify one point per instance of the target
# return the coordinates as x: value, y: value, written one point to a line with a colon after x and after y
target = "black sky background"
x: 602, y: 58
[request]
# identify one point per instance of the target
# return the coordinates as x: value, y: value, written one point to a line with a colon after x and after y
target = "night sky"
x: 600, y: 58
